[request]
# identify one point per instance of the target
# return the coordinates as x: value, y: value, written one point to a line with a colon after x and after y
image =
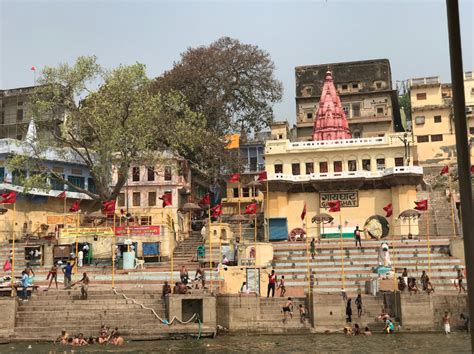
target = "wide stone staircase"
x: 290, y: 259
x: 186, y: 251
x: 47, y: 313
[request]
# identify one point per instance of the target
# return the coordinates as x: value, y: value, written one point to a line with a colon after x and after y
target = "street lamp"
x: 406, y: 143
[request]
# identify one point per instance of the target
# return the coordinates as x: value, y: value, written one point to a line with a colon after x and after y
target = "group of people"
x: 106, y: 336
x: 447, y: 322
x: 287, y: 310
x: 409, y: 283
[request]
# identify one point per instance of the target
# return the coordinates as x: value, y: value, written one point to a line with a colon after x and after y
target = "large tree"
x: 107, y: 120
x: 231, y: 83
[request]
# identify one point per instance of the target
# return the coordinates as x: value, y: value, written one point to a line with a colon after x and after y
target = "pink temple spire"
x: 331, y: 122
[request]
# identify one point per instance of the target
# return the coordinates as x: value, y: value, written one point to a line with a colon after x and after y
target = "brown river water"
x: 310, y: 343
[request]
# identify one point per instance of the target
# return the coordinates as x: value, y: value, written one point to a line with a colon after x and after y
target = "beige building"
x: 432, y: 119
x: 365, y: 89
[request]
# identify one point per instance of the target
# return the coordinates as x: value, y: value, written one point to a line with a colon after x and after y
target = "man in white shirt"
x: 80, y: 257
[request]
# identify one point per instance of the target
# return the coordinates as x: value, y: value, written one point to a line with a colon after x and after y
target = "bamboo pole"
x: 428, y: 244
x: 451, y: 202
x: 172, y: 255
x: 210, y: 247
x: 255, y: 247
x: 13, y: 251
x: 113, y: 256
x: 267, y: 208
x: 307, y: 253
x: 394, y: 264
x: 342, y: 252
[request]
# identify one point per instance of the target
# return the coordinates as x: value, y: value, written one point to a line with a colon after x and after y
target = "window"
x: 91, y: 185
x: 309, y: 115
x: 150, y: 173
x: 170, y: 196
x: 352, y: 165
x: 20, y: 103
x: 19, y: 136
x: 77, y: 181
x: 295, y: 169
x: 419, y: 120
x: 278, y: 168
x: 346, y: 109
x: 354, y: 86
x: 421, y: 96
x: 235, y: 192
x: 121, y: 199
x: 356, y: 109
x: 19, y: 115
x: 18, y: 176
x: 136, y: 174
x: 366, y: 164
x: 471, y: 130
x: 380, y: 164
x: 280, y: 136
x: 344, y: 87
x: 136, y: 199
x: 58, y: 169
x: 309, y: 166
x: 422, y: 138
x: 380, y: 110
x: 2, y: 174
x: 378, y: 85
x: 356, y: 134
x: 151, y: 198
x: 323, y: 167
x: 56, y: 184
x: 437, y: 119
x: 145, y: 220
x: 76, y: 171
x: 168, y: 173
x: 337, y: 166
x: 245, y: 192
x: 399, y: 161
x: 437, y: 137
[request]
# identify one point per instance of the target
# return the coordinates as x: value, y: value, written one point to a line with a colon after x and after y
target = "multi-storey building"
x: 365, y: 89
x: 432, y: 119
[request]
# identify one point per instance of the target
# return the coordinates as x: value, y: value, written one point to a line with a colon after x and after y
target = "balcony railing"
x: 417, y: 170
x: 425, y: 80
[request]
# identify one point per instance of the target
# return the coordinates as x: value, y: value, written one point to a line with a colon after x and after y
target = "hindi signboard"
x: 86, y: 231
x: 66, y: 219
x: 348, y: 199
x: 138, y: 230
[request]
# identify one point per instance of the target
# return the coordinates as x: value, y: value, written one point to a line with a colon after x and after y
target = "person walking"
x: 24, y: 285
x: 357, y: 236
x: 53, y: 275
x: 424, y: 280
x: 349, y: 311
x: 358, y: 302
x: 405, y: 276
x: 312, y: 248
x: 67, y: 275
x: 272, y: 279
x: 460, y: 278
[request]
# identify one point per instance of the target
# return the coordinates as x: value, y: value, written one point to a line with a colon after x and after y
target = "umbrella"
x: 377, y: 226
x: 409, y: 214
x: 237, y: 218
x: 191, y: 207
x: 322, y: 218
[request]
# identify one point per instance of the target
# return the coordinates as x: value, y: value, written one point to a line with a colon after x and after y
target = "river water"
x: 310, y: 343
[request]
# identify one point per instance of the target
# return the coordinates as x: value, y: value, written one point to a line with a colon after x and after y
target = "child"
x: 302, y: 313
x: 281, y: 286
x: 288, y: 308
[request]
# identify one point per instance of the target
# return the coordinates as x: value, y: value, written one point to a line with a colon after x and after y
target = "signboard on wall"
x: 86, y: 231
x: 348, y: 199
x: 66, y: 219
x: 138, y: 231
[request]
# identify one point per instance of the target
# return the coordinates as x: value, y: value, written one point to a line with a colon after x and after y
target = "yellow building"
x: 432, y: 119
x: 364, y: 174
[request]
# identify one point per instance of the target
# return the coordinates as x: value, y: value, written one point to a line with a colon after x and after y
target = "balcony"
x: 431, y: 80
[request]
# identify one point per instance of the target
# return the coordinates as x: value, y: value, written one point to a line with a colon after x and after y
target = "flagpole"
x: 267, y: 224
x: 210, y: 246
x: 307, y: 253
x: 342, y: 251
x: 13, y: 251
x: 171, y: 254
x: 428, y: 244
x: 394, y: 264
x: 113, y: 256
x: 451, y: 199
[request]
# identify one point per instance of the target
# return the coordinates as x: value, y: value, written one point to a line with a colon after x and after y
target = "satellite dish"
x: 377, y: 226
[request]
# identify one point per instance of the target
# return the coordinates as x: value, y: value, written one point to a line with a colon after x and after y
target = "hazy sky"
x: 411, y: 34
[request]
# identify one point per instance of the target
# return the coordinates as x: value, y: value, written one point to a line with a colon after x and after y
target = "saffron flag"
x: 61, y: 195
x: 303, y: 213
x: 251, y: 208
x: 205, y: 200
x: 108, y: 207
x: 233, y: 141
x: 216, y: 211
x: 167, y: 199
x: 334, y: 206
x: 422, y: 205
x: 8, y: 198
x: 75, y: 206
x: 262, y: 176
x: 388, y: 210
x: 235, y: 178
x: 444, y: 170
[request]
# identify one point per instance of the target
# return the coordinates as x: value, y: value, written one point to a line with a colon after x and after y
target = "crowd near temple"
x: 348, y: 220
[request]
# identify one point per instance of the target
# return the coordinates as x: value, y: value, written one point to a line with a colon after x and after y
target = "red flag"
x: 167, y: 199
x: 303, y: 213
x: 262, y: 176
x: 216, y: 211
x: 8, y: 198
x: 444, y: 170
x: 251, y: 208
x: 75, y: 206
x: 334, y: 206
x: 108, y: 207
x: 422, y: 205
x: 235, y: 178
x: 33, y: 68
x: 472, y: 168
x: 61, y: 195
x: 388, y: 210
x: 205, y: 200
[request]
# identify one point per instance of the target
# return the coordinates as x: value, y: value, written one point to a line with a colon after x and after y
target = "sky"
x: 412, y: 34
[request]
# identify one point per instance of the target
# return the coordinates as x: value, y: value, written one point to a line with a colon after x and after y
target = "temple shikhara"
x: 331, y: 122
